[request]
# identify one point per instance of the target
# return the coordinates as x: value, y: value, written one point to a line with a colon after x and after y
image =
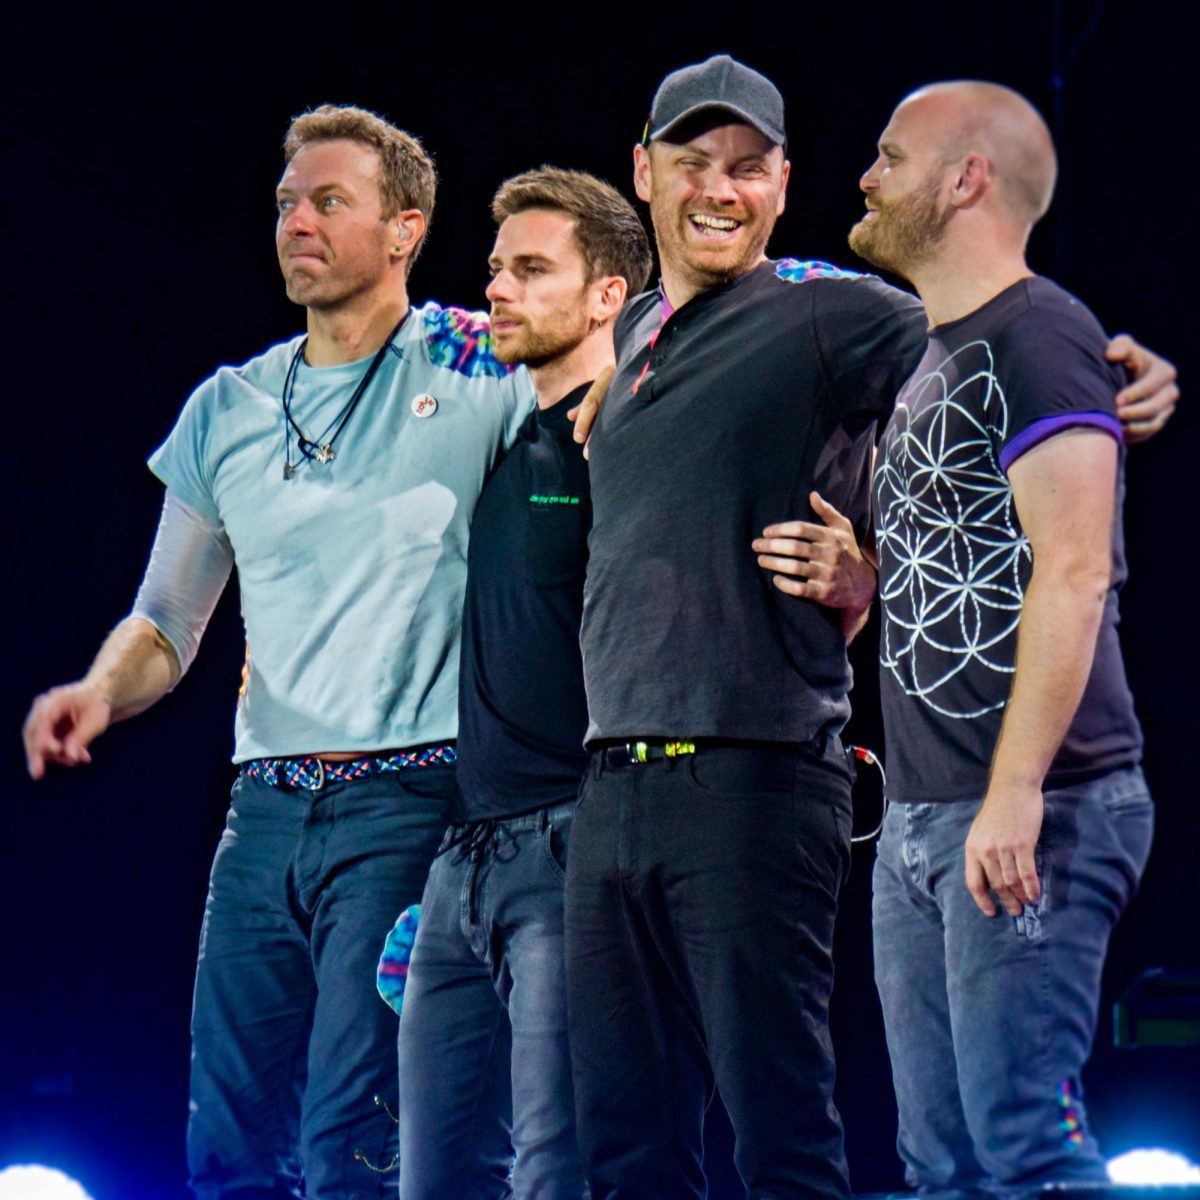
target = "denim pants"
x: 290, y: 1041
x: 485, y: 1071
x: 989, y: 1020
x: 701, y: 895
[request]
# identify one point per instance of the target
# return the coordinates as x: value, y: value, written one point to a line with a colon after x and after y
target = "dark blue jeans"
x: 290, y: 1041
x: 484, y: 1068
x: 701, y: 895
x: 990, y: 1019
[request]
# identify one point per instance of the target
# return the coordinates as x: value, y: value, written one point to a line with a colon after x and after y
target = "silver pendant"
x: 325, y: 454
x: 288, y: 470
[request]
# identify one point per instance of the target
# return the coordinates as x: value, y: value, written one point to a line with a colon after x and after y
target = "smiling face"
x: 540, y: 295
x: 907, y: 210
x: 331, y: 236
x: 714, y: 200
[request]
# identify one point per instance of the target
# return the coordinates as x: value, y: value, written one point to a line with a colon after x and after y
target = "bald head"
x: 984, y: 118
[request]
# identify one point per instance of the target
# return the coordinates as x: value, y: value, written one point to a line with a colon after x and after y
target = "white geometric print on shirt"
x: 953, y: 559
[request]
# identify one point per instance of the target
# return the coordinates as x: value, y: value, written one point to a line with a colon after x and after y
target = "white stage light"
x: 31, y: 1182
x: 1136, y: 1168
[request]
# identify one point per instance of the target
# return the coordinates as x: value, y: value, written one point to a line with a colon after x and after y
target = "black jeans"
x: 701, y: 896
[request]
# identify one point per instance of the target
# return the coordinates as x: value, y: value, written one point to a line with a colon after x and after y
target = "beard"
x: 706, y: 269
x: 903, y: 234
x: 553, y: 339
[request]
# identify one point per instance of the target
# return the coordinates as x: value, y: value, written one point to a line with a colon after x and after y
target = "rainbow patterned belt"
x: 315, y: 773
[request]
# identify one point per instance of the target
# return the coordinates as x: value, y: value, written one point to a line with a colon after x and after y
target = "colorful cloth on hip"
x: 392, y: 974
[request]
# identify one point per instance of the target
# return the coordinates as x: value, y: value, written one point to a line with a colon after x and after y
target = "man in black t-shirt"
x: 713, y: 829
x: 484, y: 1067
x: 1013, y: 748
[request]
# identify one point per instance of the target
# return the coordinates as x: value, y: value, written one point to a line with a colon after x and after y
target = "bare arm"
x: 821, y: 562
x: 584, y: 413
x: 144, y: 657
x: 1146, y: 404
x: 135, y: 667
x: 1063, y: 491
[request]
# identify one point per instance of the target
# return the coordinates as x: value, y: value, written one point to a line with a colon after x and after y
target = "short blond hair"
x: 407, y: 175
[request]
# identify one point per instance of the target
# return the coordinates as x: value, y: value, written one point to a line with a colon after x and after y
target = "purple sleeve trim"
x: 1047, y: 427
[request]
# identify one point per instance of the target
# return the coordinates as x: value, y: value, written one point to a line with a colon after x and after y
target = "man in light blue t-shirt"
x: 338, y: 472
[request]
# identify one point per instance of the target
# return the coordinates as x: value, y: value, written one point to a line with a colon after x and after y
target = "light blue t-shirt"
x: 351, y: 572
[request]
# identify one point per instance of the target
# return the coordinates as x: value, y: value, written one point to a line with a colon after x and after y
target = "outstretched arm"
x: 1063, y: 490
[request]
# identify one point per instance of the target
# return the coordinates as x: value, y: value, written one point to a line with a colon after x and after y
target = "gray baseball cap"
x: 718, y: 82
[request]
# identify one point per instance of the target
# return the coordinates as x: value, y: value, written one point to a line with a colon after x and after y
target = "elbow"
x: 1085, y: 578
x: 159, y: 643
x: 1093, y: 578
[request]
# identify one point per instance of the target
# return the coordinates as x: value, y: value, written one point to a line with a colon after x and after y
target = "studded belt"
x: 314, y: 773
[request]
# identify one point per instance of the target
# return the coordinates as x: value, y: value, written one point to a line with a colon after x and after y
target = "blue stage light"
x: 32, y: 1182
x: 1137, y: 1168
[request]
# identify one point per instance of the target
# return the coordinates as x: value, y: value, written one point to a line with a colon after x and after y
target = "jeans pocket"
x: 434, y: 782
x: 555, y: 839
x: 743, y: 771
x: 1130, y: 796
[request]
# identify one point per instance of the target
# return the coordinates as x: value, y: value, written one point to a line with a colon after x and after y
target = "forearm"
x: 854, y: 620
x: 1063, y: 490
x: 135, y: 667
x: 1060, y: 619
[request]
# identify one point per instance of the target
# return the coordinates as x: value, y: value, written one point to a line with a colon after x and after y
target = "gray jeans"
x: 990, y: 1020
x: 485, y: 1074
x: 290, y: 1041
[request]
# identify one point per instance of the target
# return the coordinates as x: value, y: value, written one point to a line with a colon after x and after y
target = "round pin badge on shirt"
x: 424, y: 405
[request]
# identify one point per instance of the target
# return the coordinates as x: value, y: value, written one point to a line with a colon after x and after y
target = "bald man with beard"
x: 1019, y: 821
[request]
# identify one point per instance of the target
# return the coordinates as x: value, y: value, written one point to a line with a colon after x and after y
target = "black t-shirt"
x: 721, y: 421
x: 521, y: 707
x: 953, y: 560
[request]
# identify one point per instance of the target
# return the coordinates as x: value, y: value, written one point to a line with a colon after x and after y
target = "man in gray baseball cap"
x: 718, y: 84
x: 713, y: 831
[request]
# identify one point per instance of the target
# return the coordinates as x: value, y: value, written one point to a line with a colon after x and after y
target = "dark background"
x: 141, y: 155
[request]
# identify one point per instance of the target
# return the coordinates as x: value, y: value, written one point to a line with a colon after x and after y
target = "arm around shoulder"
x: 1145, y: 405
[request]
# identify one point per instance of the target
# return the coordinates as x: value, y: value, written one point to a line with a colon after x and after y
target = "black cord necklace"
x: 320, y: 450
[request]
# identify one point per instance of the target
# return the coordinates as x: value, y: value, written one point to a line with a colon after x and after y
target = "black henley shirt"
x: 719, y: 421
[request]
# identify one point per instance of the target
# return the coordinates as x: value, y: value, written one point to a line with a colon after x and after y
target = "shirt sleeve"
x: 1051, y: 375
x: 181, y: 461
x: 871, y: 337
x: 189, y: 565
